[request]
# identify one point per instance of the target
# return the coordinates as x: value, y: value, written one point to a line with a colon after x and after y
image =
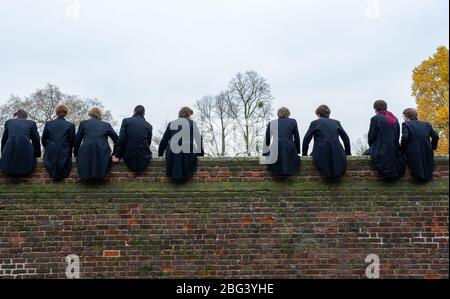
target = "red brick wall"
x: 221, y: 170
x: 232, y: 221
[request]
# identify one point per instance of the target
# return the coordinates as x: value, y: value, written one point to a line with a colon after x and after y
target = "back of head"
x: 139, y: 110
x: 411, y: 114
x: 185, y: 112
x: 380, y: 105
x: 95, y: 113
x: 323, y: 111
x: 61, y: 110
x: 283, y: 112
x: 21, y: 114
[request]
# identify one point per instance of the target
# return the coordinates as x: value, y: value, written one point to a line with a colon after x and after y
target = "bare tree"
x: 157, y: 135
x: 250, y: 106
x: 41, y: 104
x: 79, y: 108
x: 215, y: 119
x: 361, y: 145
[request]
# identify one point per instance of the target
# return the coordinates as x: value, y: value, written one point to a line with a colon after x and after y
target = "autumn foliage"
x: 430, y: 87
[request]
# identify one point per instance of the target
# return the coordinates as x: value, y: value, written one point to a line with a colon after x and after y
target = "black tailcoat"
x: 134, y: 143
x: 180, y: 166
x: 92, y: 149
x: 20, y: 146
x: 329, y: 155
x: 385, y: 148
x: 418, y: 147
x: 58, y: 140
x: 288, y: 147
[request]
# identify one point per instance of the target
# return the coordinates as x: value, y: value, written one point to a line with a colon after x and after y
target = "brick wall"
x: 232, y: 221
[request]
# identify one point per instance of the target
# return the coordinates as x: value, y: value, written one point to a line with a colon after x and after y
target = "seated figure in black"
x: 20, y: 145
x: 329, y: 155
x: 182, y: 144
x: 419, y: 140
x: 58, y: 140
x: 288, y: 144
x: 384, y: 135
x: 92, y: 149
x: 134, y: 141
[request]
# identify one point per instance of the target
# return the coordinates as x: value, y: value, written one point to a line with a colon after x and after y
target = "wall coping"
x: 225, y: 170
x: 437, y: 158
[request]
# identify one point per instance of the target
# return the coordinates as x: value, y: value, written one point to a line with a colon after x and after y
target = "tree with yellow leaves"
x: 430, y: 87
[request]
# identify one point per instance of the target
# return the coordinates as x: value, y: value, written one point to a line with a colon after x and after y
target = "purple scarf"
x: 390, y: 118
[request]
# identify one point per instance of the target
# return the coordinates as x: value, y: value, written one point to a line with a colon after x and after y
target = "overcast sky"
x: 165, y: 54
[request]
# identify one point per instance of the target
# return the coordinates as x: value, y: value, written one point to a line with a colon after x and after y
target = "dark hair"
x: 283, y: 112
x: 380, y: 105
x: 62, y: 110
x: 323, y: 111
x: 21, y: 114
x: 139, y: 110
x: 411, y: 114
x: 95, y: 113
x: 185, y: 112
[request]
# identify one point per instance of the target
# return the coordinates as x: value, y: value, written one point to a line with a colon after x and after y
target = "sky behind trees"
x: 166, y: 54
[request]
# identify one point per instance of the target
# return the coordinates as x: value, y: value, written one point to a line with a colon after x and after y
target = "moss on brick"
x: 300, y: 228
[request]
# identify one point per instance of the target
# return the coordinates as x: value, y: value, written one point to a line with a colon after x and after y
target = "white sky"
x: 165, y: 54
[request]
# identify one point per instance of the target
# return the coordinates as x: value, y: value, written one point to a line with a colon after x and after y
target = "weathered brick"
x: 111, y: 253
x: 232, y: 221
